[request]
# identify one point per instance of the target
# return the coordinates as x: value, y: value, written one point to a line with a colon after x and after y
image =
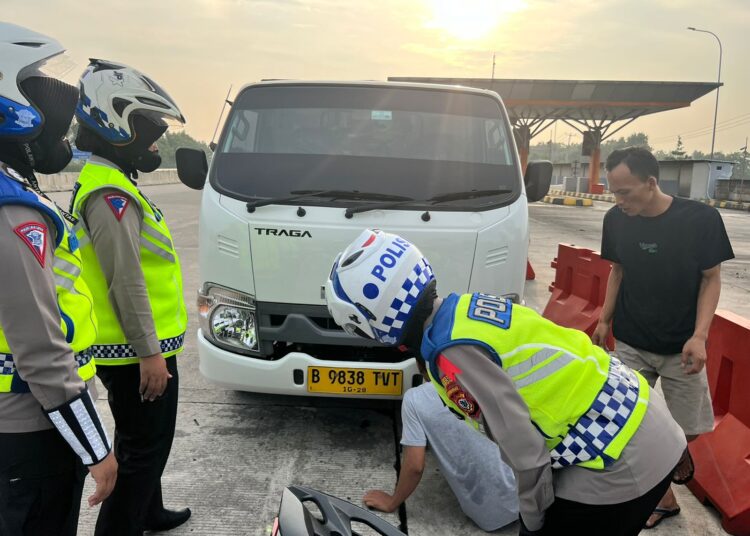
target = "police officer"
x: 49, y: 426
x: 591, y: 444
x: 132, y: 268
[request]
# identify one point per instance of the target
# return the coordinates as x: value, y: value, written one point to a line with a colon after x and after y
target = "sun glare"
x: 470, y: 19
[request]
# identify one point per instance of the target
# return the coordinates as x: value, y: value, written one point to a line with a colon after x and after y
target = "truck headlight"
x: 228, y: 318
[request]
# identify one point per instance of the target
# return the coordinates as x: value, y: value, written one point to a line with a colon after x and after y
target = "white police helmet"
x: 113, y: 94
x: 23, y: 53
x: 374, y: 285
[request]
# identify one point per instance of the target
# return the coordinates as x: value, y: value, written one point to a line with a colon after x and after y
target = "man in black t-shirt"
x: 662, y: 293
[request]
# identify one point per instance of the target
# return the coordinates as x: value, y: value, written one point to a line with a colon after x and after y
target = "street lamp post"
x: 716, y: 109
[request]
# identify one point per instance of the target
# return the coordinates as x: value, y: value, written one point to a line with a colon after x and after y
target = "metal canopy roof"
x: 582, y: 100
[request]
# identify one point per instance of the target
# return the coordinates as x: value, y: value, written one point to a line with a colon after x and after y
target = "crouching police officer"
x: 49, y: 426
x: 588, y: 439
x: 131, y: 266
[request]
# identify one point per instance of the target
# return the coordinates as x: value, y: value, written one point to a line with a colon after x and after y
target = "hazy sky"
x: 196, y: 48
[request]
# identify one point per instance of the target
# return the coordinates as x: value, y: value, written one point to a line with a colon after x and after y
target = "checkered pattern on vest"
x: 588, y: 438
x: 84, y: 358
x: 8, y: 366
x: 102, y: 352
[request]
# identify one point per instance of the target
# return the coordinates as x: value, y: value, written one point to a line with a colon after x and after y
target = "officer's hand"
x: 599, y: 337
x: 154, y: 376
x: 104, y: 474
x: 694, y: 355
x: 379, y: 500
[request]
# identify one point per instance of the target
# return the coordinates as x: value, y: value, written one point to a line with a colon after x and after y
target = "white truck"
x: 300, y: 169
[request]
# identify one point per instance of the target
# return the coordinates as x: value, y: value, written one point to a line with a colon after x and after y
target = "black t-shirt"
x: 662, y: 259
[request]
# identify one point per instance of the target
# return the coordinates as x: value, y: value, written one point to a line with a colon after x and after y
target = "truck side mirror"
x: 537, y: 179
x: 192, y: 167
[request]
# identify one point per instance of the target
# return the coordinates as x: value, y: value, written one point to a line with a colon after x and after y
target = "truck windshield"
x: 411, y: 142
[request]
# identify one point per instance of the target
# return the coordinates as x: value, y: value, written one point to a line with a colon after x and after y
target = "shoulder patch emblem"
x: 461, y: 398
x: 34, y: 235
x: 118, y: 203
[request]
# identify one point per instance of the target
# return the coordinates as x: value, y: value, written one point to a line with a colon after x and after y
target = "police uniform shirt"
x: 30, y: 320
x: 651, y: 453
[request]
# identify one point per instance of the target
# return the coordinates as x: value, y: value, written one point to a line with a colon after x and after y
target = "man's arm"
x: 609, y: 253
x: 507, y: 418
x: 412, y: 467
x: 599, y: 337
x: 694, y: 351
x: 414, y: 441
x: 116, y: 241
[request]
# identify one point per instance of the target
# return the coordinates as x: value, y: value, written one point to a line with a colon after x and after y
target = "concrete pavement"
x: 234, y: 452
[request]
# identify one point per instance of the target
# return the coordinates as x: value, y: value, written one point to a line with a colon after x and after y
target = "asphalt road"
x: 235, y: 452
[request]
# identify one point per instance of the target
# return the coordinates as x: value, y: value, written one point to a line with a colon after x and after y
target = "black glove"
x: 523, y: 531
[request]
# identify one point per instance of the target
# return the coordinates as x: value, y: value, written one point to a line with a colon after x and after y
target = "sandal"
x: 663, y: 514
x: 686, y: 458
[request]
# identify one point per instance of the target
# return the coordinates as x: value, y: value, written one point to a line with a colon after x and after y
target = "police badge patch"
x: 34, y: 235
x: 461, y: 398
x: 118, y: 203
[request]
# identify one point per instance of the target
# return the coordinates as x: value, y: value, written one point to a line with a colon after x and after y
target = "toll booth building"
x: 694, y: 179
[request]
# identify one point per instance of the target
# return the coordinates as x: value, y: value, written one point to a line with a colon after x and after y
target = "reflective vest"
x: 586, y: 404
x: 161, y: 271
x: 74, y: 298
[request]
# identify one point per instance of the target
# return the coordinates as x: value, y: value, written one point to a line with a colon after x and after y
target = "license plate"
x: 348, y: 381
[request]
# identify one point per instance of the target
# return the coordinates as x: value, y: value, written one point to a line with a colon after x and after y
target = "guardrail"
x: 63, y: 182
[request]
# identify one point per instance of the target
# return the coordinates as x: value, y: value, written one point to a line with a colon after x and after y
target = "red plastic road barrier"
x: 722, y: 457
x: 579, y: 289
x: 530, y: 275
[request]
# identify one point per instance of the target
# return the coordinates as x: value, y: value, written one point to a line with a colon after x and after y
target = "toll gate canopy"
x: 584, y: 100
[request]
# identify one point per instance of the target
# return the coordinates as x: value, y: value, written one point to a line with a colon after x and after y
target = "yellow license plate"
x: 348, y: 381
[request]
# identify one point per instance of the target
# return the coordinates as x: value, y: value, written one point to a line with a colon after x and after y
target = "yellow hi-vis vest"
x: 586, y: 404
x: 161, y: 271
x: 74, y: 298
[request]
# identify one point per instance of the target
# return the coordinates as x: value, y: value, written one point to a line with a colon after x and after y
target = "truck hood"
x: 292, y: 255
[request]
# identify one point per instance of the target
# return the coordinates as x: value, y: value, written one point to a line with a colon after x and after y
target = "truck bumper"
x: 246, y: 373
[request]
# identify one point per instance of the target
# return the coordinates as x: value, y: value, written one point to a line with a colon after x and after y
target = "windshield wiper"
x: 333, y: 194
x: 299, y: 194
x: 455, y: 196
x: 443, y: 198
x: 351, y: 211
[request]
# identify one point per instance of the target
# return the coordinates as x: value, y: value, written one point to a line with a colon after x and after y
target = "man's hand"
x: 154, y: 376
x: 104, y: 474
x: 379, y: 500
x: 694, y: 355
x: 599, y: 337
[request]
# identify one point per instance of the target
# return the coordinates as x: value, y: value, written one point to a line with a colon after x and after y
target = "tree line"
x: 168, y: 144
x: 569, y: 153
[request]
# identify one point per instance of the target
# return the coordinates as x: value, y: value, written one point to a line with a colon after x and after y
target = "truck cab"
x: 300, y: 169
